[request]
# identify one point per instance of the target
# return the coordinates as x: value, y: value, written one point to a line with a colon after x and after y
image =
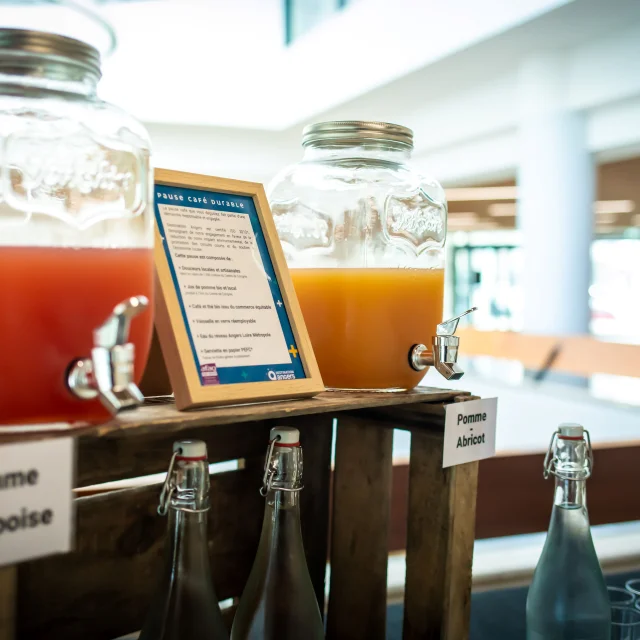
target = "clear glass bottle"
x: 279, y: 602
x: 363, y: 233
x: 185, y: 606
x: 568, y: 597
x: 76, y: 227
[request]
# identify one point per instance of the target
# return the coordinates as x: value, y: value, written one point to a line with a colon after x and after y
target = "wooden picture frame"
x: 199, y: 384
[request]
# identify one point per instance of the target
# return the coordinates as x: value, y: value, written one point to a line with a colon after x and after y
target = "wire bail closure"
x: 270, y: 470
x: 551, y: 461
x: 169, y: 489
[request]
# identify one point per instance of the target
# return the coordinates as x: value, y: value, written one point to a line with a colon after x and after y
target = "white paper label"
x: 469, y: 431
x: 36, y: 508
x: 219, y: 271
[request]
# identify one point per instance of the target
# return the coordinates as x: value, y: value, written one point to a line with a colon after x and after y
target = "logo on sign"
x: 209, y: 373
x: 281, y: 375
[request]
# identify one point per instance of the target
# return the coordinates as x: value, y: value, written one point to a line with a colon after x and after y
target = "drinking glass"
x: 625, y: 623
x: 633, y: 586
x: 620, y: 597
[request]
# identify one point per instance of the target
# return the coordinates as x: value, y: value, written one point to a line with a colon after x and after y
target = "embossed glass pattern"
x: 364, y: 235
x: 76, y: 231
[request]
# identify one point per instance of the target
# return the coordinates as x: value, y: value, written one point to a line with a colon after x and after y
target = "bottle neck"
x: 283, y: 486
x: 283, y: 469
x: 570, y: 494
x: 571, y: 464
x: 187, y: 546
x: 283, y: 500
x: 380, y: 151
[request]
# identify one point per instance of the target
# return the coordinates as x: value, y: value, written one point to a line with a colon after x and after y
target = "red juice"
x: 51, y: 300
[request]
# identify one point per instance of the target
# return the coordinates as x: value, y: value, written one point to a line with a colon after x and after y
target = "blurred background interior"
x: 528, y: 112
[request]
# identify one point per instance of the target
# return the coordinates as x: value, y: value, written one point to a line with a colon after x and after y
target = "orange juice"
x: 363, y: 322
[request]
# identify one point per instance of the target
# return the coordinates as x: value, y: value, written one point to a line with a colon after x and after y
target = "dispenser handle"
x: 115, y: 330
x: 444, y: 356
x: 448, y: 327
x: 108, y: 373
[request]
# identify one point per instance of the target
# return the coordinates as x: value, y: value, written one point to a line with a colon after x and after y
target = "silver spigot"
x: 108, y: 373
x: 445, y: 350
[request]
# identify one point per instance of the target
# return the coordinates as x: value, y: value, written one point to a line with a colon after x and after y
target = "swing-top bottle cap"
x: 190, y: 450
x: 288, y: 436
x: 570, y: 430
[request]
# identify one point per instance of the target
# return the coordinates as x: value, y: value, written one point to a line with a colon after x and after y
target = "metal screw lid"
x: 21, y: 48
x: 354, y: 132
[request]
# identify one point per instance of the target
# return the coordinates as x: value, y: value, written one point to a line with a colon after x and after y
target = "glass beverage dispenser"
x: 364, y: 234
x: 76, y: 237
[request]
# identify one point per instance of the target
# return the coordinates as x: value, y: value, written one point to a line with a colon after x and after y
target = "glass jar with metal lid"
x: 364, y: 234
x: 76, y: 236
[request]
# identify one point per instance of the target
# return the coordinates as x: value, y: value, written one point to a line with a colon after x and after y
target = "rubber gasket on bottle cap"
x: 570, y: 431
x: 191, y: 450
x: 289, y: 436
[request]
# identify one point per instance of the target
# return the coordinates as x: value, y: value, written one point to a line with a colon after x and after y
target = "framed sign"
x: 227, y: 317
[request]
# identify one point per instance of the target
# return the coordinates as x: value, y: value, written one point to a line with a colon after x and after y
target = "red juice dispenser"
x: 76, y: 237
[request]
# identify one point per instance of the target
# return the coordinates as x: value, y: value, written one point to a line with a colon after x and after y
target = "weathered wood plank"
x: 8, y: 594
x: 440, y: 534
x: 411, y: 417
x: 316, y: 438
x: 103, y: 588
x: 107, y: 459
x: 463, y: 485
x: 360, y: 523
x: 166, y: 418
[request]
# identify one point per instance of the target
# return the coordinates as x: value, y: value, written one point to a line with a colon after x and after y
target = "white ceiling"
x: 224, y: 62
x: 222, y: 94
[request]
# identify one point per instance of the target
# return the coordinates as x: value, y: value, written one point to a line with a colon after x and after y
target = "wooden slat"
x: 361, y: 496
x: 463, y: 485
x: 115, y: 458
x: 440, y: 533
x: 578, y: 355
x: 316, y: 438
x: 102, y: 589
x: 7, y: 603
x: 165, y: 418
x: 411, y: 417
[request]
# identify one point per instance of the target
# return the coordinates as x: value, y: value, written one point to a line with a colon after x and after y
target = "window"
x: 303, y: 15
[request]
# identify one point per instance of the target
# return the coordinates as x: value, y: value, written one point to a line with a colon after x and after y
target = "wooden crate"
x: 102, y: 589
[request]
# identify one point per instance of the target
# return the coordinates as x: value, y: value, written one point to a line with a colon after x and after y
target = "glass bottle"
x: 185, y: 606
x: 279, y: 602
x: 363, y: 233
x: 568, y: 597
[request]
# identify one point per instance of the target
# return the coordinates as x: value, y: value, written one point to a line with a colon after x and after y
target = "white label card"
x: 224, y: 273
x: 36, y: 507
x: 469, y: 431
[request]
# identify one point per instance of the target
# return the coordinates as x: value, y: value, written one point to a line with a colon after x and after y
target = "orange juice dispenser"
x: 364, y: 235
x: 76, y: 237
